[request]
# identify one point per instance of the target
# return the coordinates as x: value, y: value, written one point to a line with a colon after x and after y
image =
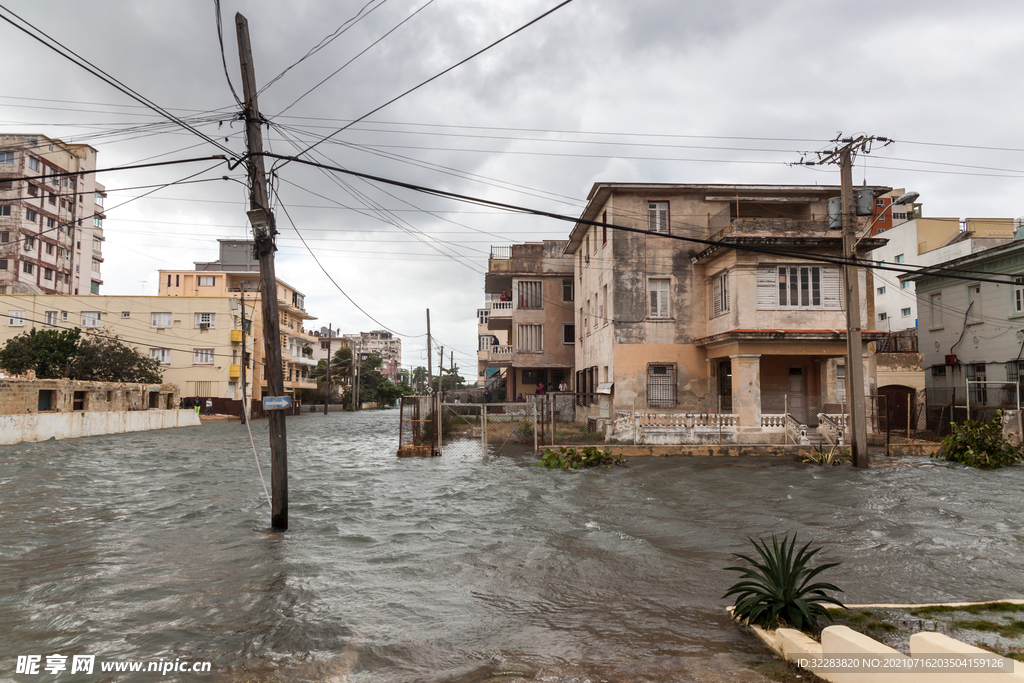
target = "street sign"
x: 276, y: 402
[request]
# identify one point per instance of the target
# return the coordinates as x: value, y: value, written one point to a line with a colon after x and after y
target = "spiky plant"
x: 778, y: 590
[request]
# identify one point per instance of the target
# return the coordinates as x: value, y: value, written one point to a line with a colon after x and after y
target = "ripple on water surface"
x: 155, y: 545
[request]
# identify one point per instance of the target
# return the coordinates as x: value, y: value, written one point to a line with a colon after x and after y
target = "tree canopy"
x: 54, y: 354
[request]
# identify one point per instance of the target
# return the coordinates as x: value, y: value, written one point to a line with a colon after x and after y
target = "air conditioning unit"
x: 950, y: 359
x: 204, y: 326
x: 28, y: 247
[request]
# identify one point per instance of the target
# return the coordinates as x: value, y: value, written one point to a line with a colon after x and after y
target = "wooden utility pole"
x: 430, y: 360
x: 263, y: 231
x: 327, y: 395
x: 854, y: 347
x: 244, y: 418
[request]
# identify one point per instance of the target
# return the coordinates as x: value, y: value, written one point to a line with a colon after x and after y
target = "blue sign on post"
x: 276, y: 402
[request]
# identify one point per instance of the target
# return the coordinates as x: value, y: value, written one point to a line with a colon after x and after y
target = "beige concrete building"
x: 51, y: 225
x: 233, y: 278
x: 530, y: 294
x: 40, y: 409
x: 489, y: 342
x: 735, y: 320
x: 197, y: 340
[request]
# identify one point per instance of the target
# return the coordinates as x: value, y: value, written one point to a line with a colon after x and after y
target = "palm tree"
x: 341, y: 367
x: 419, y: 378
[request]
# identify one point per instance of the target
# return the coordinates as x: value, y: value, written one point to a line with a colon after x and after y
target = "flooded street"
x: 157, y: 545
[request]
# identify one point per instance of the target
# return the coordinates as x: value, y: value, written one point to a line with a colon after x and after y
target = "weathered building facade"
x: 51, y: 223
x: 707, y: 301
x: 530, y: 292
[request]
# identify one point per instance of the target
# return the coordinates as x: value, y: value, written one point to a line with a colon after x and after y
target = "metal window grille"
x: 661, y: 386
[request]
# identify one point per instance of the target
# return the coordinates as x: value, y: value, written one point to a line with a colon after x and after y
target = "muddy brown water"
x: 156, y: 546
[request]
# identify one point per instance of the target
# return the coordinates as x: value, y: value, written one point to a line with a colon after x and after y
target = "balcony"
x: 501, y: 354
x: 236, y: 336
x: 301, y: 360
x: 234, y: 371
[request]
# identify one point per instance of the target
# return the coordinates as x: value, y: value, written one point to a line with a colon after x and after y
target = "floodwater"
x: 157, y: 545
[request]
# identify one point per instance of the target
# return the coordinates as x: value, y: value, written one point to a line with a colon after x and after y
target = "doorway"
x: 725, y: 385
x: 798, y: 394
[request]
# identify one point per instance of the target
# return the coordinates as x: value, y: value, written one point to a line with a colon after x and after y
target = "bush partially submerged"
x: 777, y: 591
x: 571, y: 459
x: 979, y: 444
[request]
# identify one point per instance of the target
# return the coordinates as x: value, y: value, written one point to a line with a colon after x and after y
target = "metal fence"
x: 417, y: 426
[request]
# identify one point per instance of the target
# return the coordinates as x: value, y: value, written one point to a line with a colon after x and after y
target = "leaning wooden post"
x: 536, y: 447
x: 785, y: 419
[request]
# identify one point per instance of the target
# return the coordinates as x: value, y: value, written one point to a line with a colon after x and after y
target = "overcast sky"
x: 600, y: 90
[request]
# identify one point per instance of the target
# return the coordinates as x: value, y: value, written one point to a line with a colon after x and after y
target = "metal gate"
x: 472, y: 430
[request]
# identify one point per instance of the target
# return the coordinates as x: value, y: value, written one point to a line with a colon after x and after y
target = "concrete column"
x: 746, y: 389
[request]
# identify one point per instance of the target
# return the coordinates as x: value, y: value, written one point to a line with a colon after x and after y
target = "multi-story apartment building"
x: 736, y: 319
x: 379, y: 343
x: 51, y: 225
x: 197, y: 340
x: 489, y: 341
x: 927, y: 242
x: 530, y: 293
x: 236, y: 275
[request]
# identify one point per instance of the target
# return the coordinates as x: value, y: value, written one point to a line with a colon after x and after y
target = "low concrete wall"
x: 844, y: 642
x: 44, y: 426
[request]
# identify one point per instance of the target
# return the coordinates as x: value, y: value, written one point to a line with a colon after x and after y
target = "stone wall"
x: 53, y: 425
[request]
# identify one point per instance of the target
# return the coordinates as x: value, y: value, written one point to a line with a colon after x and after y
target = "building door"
x: 725, y: 385
x: 798, y: 394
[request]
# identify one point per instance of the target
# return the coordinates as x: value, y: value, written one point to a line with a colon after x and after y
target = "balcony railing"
x: 501, y: 352
x: 501, y: 309
x: 501, y: 253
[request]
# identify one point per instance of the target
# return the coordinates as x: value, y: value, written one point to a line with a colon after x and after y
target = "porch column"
x: 746, y: 389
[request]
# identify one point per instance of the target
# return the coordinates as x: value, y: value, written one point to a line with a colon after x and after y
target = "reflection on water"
x: 157, y: 546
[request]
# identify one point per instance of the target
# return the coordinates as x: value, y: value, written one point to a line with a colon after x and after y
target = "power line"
x: 438, y: 75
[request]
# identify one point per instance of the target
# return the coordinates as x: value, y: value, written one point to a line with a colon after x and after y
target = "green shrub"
x: 571, y: 459
x: 979, y: 444
x: 778, y: 591
x: 823, y: 457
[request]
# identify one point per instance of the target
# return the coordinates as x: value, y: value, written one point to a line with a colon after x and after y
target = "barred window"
x: 531, y: 294
x: 530, y: 338
x: 661, y: 386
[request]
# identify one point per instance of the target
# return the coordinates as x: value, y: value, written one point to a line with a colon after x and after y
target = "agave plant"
x: 822, y: 457
x: 778, y: 590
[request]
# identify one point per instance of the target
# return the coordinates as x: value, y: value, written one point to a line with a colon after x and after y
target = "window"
x: 91, y: 318
x: 32, y: 190
x: 97, y: 220
x: 27, y: 267
x: 205, y: 320
x: 657, y: 217
x: 94, y: 287
x: 33, y: 163
x: 63, y: 316
x: 161, y: 356
x: 880, y: 203
x: 202, y: 356
x: 96, y: 265
x: 899, y: 258
x: 484, y: 342
x: 531, y: 294
x: 99, y: 199
x: 568, y: 333
x: 6, y: 157
x: 97, y: 244
x: 658, y: 290
x: 206, y: 280
x: 530, y: 338
x: 51, y: 224
x: 604, y: 228
x: 5, y: 237
x: 606, y: 313
x: 841, y: 382
x: 800, y: 286
x: 881, y: 290
x: 5, y: 209
x: 661, y: 386
x: 31, y: 215
x: 978, y: 393
x: 47, y: 274
x: 720, y: 293
x: 126, y: 314
x: 905, y: 312
x: 3, y: 264
x: 49, y: 249
x: 15, y: 318
x: 51, y: 318
x: 882, y: 317
x: 567, y: 290
x: 974, y: 302
x: 52, y: 199
x: 30, y: 243
x: 905, y: 284
x: 935, y: 310
x: 1018, y: 294
x: 483, y: 315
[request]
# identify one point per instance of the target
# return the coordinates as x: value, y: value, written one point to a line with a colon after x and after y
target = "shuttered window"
x: 531, y: 294
x: 805, y: 287
x: 720, y: 293
x: 530, y: 338
x: 658, y: 290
